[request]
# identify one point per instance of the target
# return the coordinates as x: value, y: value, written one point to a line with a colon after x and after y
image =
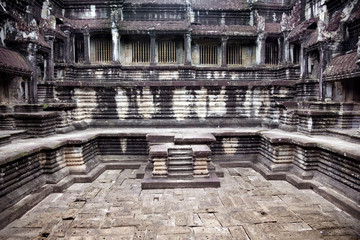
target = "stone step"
x: 179, y: 158
x: 18, y: 134
x: 182, y: 175
x: 180, y: 168
x: 5, y: 139
x: 180, y: 152
x: 180, y: 162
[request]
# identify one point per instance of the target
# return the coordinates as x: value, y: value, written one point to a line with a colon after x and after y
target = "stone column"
x: 303, y: 61
x: 286, y: 51
x: 152, y: 48
x: 292, y: 53
x: 116, y: 45
x: 223, y: 51
x: 67, y: 52
x: 260, y: 49
x: 280, y: 60
x: 322, y: 68
x: 187, y: 48
x: 87, y: 47
x: 50, y: 59
x: 72, y: 48
x: 31, y: 56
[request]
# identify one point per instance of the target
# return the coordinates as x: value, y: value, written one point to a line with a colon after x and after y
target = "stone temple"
x: 180, y: 119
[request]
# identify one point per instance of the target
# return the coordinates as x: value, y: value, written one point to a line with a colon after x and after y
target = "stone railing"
x: 118, y: 73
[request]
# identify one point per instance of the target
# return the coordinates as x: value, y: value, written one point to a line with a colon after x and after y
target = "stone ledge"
x: 160, y: 138
x: 201, y: 150
x: 160, y: 150
x: 198, y: 182
x: 194, y: 138
x: 176, y: 83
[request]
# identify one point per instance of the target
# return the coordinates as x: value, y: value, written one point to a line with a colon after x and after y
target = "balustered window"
x: 101, y: 49
x: 271, y: 52
x: 208, y: 54
x: 234, y: 54
x: 167, y: 51
x: 140, y: 51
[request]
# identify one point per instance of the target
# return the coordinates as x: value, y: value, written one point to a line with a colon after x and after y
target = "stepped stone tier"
x: 180, y: 160
x: 175, y: 91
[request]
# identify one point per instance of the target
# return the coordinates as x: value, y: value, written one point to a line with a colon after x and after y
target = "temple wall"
x: 123, y: 105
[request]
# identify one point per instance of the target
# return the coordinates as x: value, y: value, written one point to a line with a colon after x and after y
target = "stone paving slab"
x: 246, y: 206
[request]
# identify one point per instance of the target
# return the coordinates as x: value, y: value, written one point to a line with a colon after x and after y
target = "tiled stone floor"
x: 246, y: 206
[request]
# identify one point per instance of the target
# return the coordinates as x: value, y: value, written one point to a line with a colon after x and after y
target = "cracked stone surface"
x: 246, y: 206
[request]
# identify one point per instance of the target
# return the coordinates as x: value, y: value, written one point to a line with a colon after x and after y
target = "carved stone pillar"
x: 72, y: 48
x: 187, y: 48
x: 223, y: 51
x: 116, y: 45
x: 87, y: 47
x: 50, y: 58
x: 358, y: 51
x: 67, y: 51
x: 32, y: 56
x: 321, y: 83
x: 152, y: 48
x: 260, y: 49
x: 280, y: 59
x: 303, y: 61
x: 291, y: 51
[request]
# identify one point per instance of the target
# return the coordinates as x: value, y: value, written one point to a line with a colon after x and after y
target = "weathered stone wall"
x: 278, y: 155
x: 317, y: 117
x: 121, y: 105
x: 20, y: 176
x: 235, y: 145
x: 122, y: 145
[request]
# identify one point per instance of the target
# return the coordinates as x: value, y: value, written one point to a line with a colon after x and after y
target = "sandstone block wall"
x: 304, y: 161
x: 180, y: 104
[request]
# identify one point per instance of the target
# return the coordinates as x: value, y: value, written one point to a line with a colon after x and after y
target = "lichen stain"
x: 122, y: 103
x: 145, y: 103
x: 181, y: 99
x: 123, y: 144
x: 86, y: 103
x: 217, y: 102
x: 230, y: 145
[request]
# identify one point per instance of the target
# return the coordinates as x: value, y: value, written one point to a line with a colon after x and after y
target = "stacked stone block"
x: 20, y: 175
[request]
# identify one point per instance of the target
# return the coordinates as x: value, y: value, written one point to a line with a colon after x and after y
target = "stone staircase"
x: 180, y: 163
x: 180, y: 160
